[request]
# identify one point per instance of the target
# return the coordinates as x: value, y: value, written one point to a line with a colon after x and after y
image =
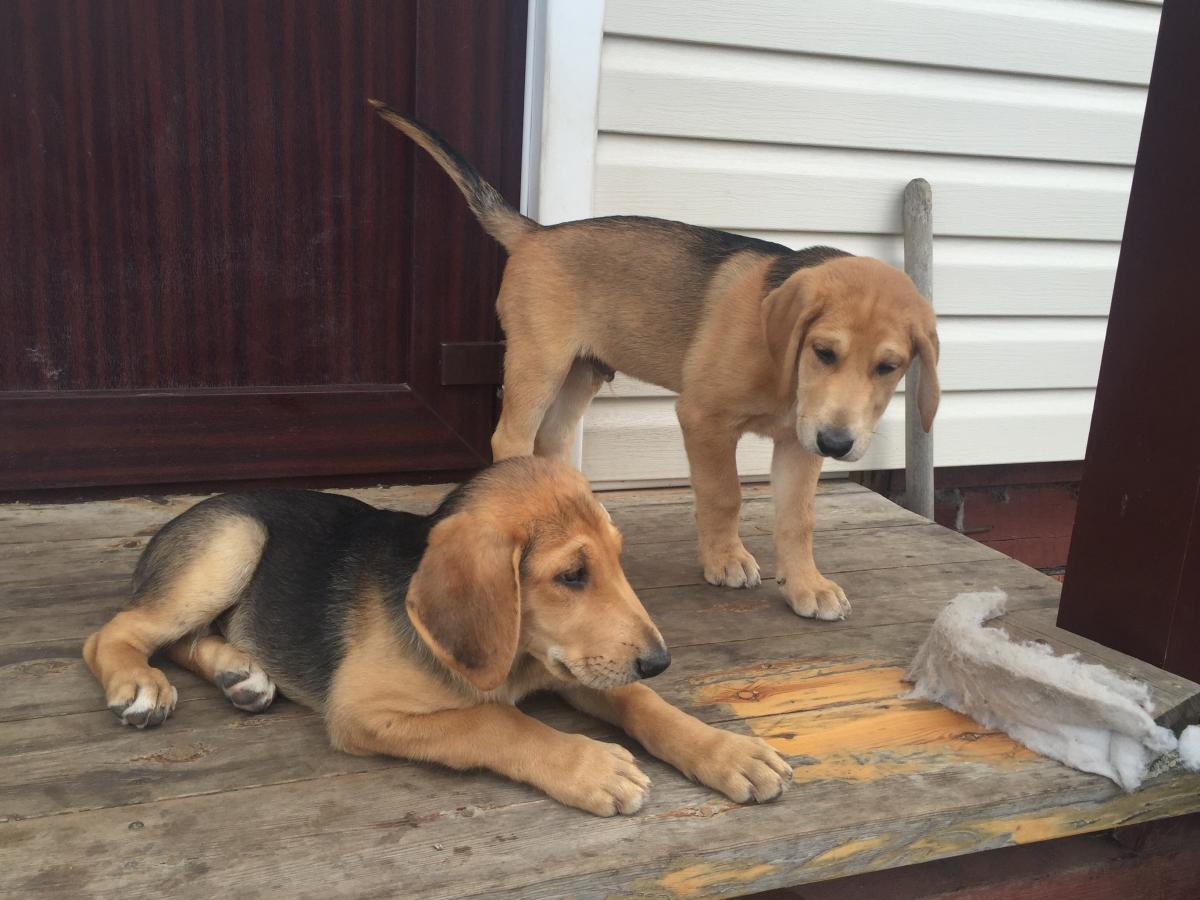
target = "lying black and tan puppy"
x: 415, y: 635
x: 804, y: 347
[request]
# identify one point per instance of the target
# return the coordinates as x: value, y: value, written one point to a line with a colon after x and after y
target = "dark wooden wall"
x: 218, y: 263
x: 1133, y: 575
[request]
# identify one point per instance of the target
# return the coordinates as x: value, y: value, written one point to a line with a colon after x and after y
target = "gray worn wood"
x: 435, y: 834
x: 68, y: 588
x: 47, y: 676
x: 24, y: 523
x: 1176, y: 699
x: 835, y: 512
x: 662, y: 565
x: 89, y: 760
x: 918, y: 263
x: 217, y: 800
x: 47, y: 611
x: 87, y: 559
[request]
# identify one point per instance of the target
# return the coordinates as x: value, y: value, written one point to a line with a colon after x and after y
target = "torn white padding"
x: 1080, y: 714
x: 1189, y: 747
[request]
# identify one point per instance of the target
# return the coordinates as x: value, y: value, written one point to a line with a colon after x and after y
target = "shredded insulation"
x: 1081, y: 714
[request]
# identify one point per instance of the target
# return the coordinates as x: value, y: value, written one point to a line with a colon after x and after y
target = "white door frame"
x: 562, y: 86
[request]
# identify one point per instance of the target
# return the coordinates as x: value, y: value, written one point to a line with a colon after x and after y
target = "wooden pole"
x: 918, y: 263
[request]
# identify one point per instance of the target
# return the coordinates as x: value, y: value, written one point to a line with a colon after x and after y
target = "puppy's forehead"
x: 868, y: 302
x: 563, y: 508
x: 857, y: 280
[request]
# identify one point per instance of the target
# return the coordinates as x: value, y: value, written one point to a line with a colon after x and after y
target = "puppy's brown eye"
x: 825, y: 355
x: 885, y: 368
x: 576, y: 578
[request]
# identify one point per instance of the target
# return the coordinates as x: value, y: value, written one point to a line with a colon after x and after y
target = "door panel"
x: 1133, y: 573
x: 219, y: 263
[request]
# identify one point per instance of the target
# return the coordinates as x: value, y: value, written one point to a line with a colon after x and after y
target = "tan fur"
x: 486, y: 621
x: 696, y: 311
x: 118, y: 654
x: 745, y: 364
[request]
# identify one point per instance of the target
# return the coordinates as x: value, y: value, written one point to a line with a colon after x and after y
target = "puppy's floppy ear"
x: 465, y: 598
x: 786, y: 314
x: 925, y: 341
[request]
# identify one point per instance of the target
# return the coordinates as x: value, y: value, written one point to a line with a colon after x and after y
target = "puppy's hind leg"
x: 192, y: 571
x: 213, y: 658
x: 533, y: 376
x: 557, y: 432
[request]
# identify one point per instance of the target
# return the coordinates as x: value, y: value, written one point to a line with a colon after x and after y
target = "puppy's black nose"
x: 653, y: 663
x: 835, y: 442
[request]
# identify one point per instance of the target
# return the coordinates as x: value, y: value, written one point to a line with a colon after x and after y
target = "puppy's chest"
x: 776, y: 426
x: 527, y: 677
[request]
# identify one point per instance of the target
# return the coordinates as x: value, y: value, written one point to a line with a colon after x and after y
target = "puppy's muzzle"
x: 653, y: 663
x: 835, y: 442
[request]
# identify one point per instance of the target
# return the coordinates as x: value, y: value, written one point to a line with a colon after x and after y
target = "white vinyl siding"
x: 800, y: 121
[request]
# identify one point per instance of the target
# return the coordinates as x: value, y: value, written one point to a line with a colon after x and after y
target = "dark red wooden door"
x: 218, y: 263
x: 1133, y: 574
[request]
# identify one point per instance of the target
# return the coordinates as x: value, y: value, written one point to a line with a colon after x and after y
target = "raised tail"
x: 495, y: 214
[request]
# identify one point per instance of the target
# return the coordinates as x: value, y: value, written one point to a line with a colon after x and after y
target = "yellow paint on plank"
x: 852, y: 726
x: 695, y: 880
x: 1178, y: 795
x: 848, y: 850
x: 769, y: 693
x: 873, y: 741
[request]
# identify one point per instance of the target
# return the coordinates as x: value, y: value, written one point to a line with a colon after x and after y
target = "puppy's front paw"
x: 744, y: 769
x: 142, y: 698
x: 731, y: 565
x: 815, y: 597
x: 602, y: 779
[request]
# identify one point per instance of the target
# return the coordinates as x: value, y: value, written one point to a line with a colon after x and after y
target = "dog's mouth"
x: 597, y: 672
x: 560, y: 669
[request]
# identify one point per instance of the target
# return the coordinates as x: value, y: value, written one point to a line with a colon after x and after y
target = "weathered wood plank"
x: 23, y: 523
x: 49, y: 678
x: 835, y: 512
x: 672, y: 565
x: 63, y: 561
x: 89, y: 808
x: 365, y: 834
x: 52, y: 610
x: 650, y: 496
x: 699, y: 614
x: 838, y: 694
x: 39, y: 651
x: 1176, y: 699
x: 88, y: 760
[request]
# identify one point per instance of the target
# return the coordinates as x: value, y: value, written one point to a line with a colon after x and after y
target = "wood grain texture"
x: 207, y: 195
x: 1154, y: 859
x: 91, y: 809
x: 216, y: 273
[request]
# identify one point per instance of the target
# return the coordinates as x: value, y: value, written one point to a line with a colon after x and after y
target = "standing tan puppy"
x: 804, y: 347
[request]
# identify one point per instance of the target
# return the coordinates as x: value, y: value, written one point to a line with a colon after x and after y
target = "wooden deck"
x: 219, y: 803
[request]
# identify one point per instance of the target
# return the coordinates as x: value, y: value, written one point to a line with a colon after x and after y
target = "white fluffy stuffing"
x: 1189, y: 747
x: 1081, y: 714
